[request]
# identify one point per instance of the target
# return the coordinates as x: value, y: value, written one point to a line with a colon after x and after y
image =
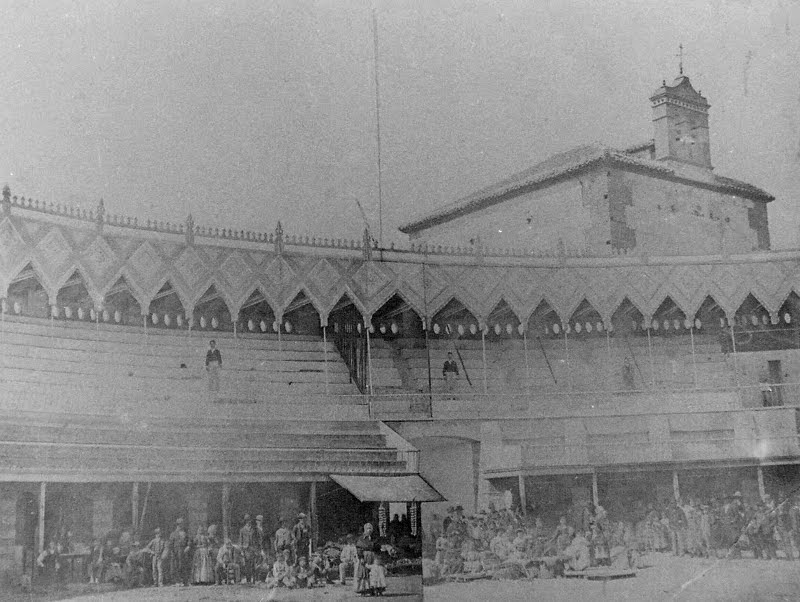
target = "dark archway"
x: 454, y: 321
x: 121, y: 306
x: 166, y: 309
x: 73, y: 301
x: 669, y: 320
x: 256, y: 316
x: 396, y: 319
x: 211, y: 312
x: 586, y: 321
x: 503, y: 323
x: 628, y: 320
x: 301, y: 317
x: 545, y: 322
x: 27, y: 296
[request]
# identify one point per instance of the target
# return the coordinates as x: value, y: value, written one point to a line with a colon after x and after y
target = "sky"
x: 245, y: 113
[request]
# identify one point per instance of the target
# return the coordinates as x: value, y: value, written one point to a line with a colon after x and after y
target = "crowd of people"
x: 505, y: 543
x: 283, y: 559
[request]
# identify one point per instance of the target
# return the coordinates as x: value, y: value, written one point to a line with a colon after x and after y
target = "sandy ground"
x: 667, y: 578
x: 405, y: 589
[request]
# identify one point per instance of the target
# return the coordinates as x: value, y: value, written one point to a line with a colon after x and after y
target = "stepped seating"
x: 128, y: 364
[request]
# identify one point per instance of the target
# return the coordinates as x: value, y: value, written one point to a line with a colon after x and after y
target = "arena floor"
x: 406, y: 589
x: 667, y: 578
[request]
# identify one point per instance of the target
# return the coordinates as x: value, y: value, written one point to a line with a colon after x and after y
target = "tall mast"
x: 378, y: 126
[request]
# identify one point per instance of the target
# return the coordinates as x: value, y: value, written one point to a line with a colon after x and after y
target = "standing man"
x: 178, y: 552
x: 301, y: 537
x: 213, y: 366
x: 156, y: 548
x: 450, y: 374
x: 247, y: 544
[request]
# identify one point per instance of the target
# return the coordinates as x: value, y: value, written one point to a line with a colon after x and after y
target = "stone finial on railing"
x: 366, y: 248
x: 6, y: 200
x: 189, y: 230
x: 100, y: 216
x: 279, y: 239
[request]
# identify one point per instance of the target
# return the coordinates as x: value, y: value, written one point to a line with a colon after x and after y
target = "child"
x: 377, y: 576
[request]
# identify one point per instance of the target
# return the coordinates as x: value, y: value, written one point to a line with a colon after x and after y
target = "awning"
x: 406, y: 488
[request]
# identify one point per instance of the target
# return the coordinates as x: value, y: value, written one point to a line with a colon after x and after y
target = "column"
x: 761, y: 489
x: 676, y: 486
x: 42, y: 493
x: 312, y: 504
x: 226, y: 512
x: 595, y: 494
x: 523, y: 498
x: 135, y: 507
x: 483, y: 349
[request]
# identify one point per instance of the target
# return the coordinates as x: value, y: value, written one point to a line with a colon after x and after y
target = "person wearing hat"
x: 247, y: 545
x: 301, y: 537
x: 282, y: 572
x: 178, y: 545
x: 226, y: 563
x: 213, y: 366
x: 365, y: 547
x: 156, y: 547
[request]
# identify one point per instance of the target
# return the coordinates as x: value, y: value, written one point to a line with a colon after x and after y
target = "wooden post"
x: 135, y: 507
x: 761, y: 489
x: 42, y: 493
x: 595, y: 493
x: 650, y: 354
x: 312, y: 504
x: 325, y: 354
x: 483, y: 348
x: 694, y: 360
x: 367, y: 326
x: 676, y: 486
x: 226, y: 514
x: 523, y: 498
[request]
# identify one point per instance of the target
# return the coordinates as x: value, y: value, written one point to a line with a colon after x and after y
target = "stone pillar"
x: 761, y: 489
x: 523, y: 498
x: 595, y: 493
x: 676, y: 486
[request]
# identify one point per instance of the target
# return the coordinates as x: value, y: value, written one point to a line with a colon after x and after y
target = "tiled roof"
x: 562, y: 165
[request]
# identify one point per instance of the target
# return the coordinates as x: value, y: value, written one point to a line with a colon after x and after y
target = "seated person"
x: 95, y: 562
x: 135, y: 566
x: 321, y: 570
x: 303, y: 575
x: 226, y: 561
x: 282, y: 572
x: 263, y: 566
x: 576, y: 555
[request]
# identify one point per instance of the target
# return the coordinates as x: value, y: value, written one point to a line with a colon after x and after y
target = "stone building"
x: 661, y: 197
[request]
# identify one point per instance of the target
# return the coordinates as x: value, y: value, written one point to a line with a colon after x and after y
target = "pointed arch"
x: 344, y: 290
x: 628, y: 319
x: 503, y: 321
x: 397, y: 291
x: 789, y: 312
x: 507, y: 297
x: 396, y: 317
x: 221, y: 293
x: 301, y: 316
x: 261, y: 289
x: 586, y: 320
x: 121, y: 304
x: 27, y: 294
x: 454, y: 319
x: 166, y: 308
x: 256, y: 314
x: 710, y: 317
x: 169, y: 281
x: 210, y: 311
x: 669, y: 319
x: 752, y: 313
x: 544, y: 320
x: 283, y: 306
x: 141, y: 296
x: 435, y: 308
x: 74, y: 300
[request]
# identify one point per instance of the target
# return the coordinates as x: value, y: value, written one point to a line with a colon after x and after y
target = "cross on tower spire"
x: 680, y: 56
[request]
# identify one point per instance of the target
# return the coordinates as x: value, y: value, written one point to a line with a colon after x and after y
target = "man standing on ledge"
x: 450, y: 374
x: 213, y: 365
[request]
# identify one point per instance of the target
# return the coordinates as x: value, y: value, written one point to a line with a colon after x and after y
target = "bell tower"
x: 680, y: 121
